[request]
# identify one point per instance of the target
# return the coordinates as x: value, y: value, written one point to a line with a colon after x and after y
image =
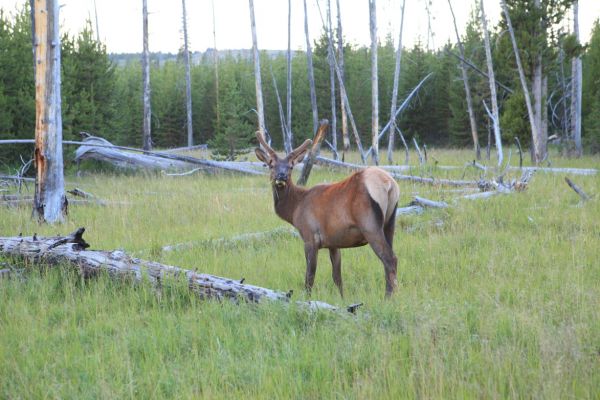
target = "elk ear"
x: 262, y: 156
x: 298, y: 154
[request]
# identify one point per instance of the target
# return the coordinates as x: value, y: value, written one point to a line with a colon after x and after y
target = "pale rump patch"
x: 382, y: 188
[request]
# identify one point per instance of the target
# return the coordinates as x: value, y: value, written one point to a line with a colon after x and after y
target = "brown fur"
x: 350, y: 213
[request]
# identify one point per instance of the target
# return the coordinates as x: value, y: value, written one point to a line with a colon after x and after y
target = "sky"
x: 120, y: 21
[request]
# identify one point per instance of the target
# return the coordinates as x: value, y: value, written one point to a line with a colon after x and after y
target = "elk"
x: 350, y: 213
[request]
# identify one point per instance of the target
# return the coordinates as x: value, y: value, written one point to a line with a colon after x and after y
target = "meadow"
x: 497, y: 298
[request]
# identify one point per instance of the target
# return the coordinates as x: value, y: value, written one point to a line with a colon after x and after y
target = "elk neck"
x: 287, y: 199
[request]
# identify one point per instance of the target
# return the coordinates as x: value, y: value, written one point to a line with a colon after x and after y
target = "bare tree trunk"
x: 216, y: 62
x: 287, y: 144
x: 330, y: 58
x: 311, y: 74
x: 97, y: 26
x: 374, y: 83
x: 538, y: 139
x: 260, y: 109
x: 524, y: 86
x: 390, y: 150
x: 492, y: 81
x: 147, y: 134
x: 465, y: 79
x: 49, y: 204
x: 188, y: 79
x: 345, y: 136
x: 576, y: 88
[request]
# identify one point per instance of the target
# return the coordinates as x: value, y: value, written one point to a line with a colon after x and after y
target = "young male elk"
x: 351, y: 213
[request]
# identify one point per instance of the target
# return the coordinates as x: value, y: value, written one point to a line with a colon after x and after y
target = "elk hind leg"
x: 379, y: 243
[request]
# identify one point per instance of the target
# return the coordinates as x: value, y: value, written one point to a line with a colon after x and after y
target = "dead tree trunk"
x: 146, y: 134
x: 311, y: 74
x: 287, y: 143
x: 330, y: 58
x: 216, y: 62
x: 390, y: 150
x: 313, y: 153
x: 257, y: 80
x: 188, y: 79
x: 50, y: 203
x: 72, y: 250
x: 576, y: 88
x: 495, y: 114
x: 539, y: 139
x: 524, y: 86
x: 340, y: 51
x: 374, y: 83
x: 465, y: 79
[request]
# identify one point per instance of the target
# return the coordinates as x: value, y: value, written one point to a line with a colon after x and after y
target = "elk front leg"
x: 336, y: 263
x: 310, y: 252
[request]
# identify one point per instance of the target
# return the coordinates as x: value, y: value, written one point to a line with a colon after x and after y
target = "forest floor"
x: 497, y: 298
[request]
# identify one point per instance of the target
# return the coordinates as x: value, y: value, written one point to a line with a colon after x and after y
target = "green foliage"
x: 591, y: 92
x: 514, y: 119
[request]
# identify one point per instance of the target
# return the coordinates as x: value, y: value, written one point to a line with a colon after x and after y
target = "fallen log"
x: 72, y: 250
x: 584, y: 196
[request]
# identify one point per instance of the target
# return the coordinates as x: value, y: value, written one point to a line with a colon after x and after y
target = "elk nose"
x: 281, y: 177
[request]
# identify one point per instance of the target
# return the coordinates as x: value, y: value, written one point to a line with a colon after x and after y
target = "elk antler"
x: 299, y: 150
x: 265, y: 145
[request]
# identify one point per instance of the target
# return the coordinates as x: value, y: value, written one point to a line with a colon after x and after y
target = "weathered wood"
x: 576, y: 87
x: 147, y: 116
x: 340, y: 54
x: 72, y: 249
x: 421, y: 201
x: 391, y: 136
x: 465, y: 78
x: 287, y: 134
x: 188, y: 78
x: 49, y: 203
x: 257, y: 79
x: 330, y: 60
x: 495, y: 114
x: 100, y: 149
x: 311, y: 74
x: 584, y: 196
x: 314, y: 151
x: 374, y: 83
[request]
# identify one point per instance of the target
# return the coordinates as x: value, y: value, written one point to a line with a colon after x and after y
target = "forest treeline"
x: 105, y: 99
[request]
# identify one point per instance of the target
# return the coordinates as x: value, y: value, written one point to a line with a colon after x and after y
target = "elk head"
x: 281, y: 168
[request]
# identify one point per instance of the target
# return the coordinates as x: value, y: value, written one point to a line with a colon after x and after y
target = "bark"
x: 314, y: 151
x: 576, y: 88
x: 50, y: 204
x: 523, y: 80
x: 465, y: 79
x: 584, y: 196
x: 257, y: 79
x: 287, y: 142
x: 374, y: 83
x: 492, y: 81
x: 188, y: 79
x: 147, y: 130
x: 102, y: 150
x: 340, y: 51
x: 330, y: 58
x: 391, y: 136
x: 311, y: 74
x: 72, y: 250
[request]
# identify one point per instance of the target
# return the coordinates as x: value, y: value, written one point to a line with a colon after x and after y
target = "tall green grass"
x: 497, y: 298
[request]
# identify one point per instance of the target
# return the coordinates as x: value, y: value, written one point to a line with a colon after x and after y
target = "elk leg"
x: 382, y: 248
x: 336, y: 263
x: 310, y: 252
x: 389, y: 228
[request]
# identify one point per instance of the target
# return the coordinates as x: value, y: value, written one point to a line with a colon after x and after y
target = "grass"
x: 497, y: 298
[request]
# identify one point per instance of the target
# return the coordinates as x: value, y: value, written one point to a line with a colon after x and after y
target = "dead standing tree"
x: 330, y: 57
x: 340, y: 50
x: 188, y: 79
x: 576, y: 87
x: 390, y: 151
x: 257, y: 80
x: 465, y: 79
x: 287, y: 142
x: 146, y: 134
x: 494, y: 115
x: 374, y: 83
x: 311, y: 74
x: 50, y: 202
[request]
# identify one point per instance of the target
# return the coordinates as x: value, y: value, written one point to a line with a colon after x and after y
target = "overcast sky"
x: 120, y: 21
